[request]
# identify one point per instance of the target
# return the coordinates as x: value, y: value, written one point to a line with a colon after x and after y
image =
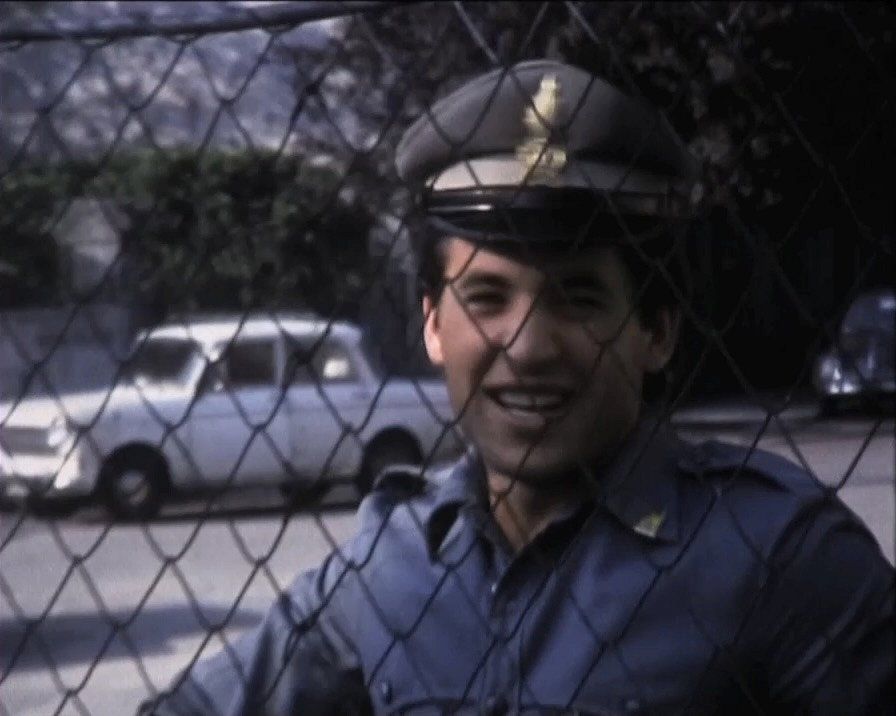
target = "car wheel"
x: 134, y: 485
x: 383, y: 452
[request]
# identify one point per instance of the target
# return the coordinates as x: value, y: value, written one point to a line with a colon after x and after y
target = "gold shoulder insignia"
x: 650, y: 524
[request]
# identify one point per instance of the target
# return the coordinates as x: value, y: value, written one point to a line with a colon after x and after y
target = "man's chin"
x: 535, y: 469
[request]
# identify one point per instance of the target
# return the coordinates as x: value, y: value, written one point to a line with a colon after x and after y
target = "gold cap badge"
x: 543, y: 161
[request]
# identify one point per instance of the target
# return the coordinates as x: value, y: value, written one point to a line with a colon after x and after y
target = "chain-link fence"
x: 212, y: 343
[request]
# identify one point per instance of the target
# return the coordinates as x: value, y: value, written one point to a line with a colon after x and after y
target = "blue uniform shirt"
x: 701, y: 579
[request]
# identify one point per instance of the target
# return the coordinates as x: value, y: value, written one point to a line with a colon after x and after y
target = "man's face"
x: 544, y: 363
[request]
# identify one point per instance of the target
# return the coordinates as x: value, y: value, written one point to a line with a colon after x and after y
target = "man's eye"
x: 581, y: 300
x: 585, y: 298
x: 484, y: 299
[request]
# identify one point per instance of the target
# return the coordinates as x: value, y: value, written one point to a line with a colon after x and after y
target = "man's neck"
x: 522, y: 512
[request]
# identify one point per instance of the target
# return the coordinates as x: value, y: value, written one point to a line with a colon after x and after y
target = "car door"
x: 327, y: 402
x: 239, y: 424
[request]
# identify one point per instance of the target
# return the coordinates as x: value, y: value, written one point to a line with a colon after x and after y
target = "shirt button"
x: 386, y: 691
x: 496, y: 706
x: 632, y: 705
x: 494, y: 588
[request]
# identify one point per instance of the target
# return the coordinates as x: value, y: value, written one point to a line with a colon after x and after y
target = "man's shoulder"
x: 729, y: 466
x: 394, y: 519
x: 760, y: 494
x: 404, y: 495
x: 401, y: 483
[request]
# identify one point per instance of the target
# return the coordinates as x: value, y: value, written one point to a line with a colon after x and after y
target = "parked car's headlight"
x: 829, y: 369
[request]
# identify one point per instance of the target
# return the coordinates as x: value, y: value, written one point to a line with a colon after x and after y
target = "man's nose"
x: 532, y: 340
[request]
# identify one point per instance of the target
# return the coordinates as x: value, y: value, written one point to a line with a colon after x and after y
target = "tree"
x: 211, y: 231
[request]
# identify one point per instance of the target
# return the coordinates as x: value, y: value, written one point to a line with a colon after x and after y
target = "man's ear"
x: 662, y: 338
x: 432, y: 336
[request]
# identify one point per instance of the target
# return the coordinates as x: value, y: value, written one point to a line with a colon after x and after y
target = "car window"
x: 160, y: 360
x: 250, y: 363
x: 319, y: 361
x: 871, y: 312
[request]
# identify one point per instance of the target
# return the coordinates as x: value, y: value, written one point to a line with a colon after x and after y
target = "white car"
x: 291, y: 401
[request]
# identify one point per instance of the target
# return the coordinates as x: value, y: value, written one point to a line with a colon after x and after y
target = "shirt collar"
x: 638, y: 486
x: 461, y: 485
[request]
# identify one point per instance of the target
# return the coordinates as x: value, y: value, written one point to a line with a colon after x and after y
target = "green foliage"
x: 757, y: 90
x: 211, y: 231
x: 28, y: 260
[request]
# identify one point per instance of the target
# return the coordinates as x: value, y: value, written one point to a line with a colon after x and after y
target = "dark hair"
x: 657, y: 275
x: 659, y: 279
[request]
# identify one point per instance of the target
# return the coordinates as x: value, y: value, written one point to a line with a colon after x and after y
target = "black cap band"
x: 543, y: 214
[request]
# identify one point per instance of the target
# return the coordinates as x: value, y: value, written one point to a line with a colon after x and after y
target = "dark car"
x: 858, y: 370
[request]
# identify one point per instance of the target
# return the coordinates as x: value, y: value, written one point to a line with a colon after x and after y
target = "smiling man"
x: 545, y: 361
x: 579, y: 558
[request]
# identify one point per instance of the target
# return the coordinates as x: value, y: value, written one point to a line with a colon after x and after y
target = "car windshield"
x: 872, y: 312
x: 160, y: 360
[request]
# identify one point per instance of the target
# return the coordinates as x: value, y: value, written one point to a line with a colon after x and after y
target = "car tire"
x: 134, y: 485
x: 384, y: 451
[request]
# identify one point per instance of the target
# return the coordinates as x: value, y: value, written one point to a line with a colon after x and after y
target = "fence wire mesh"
x: 212, y: 343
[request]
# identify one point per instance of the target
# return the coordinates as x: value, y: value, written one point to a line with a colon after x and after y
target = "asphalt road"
x: 95, y: 617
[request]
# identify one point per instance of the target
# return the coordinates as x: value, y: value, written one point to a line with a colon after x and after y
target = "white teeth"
x: 519, y: 400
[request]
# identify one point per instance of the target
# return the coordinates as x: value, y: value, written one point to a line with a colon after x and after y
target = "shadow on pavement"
x: 251, y: 503
x: 72, y: 639
x: 237, y: 504
x: 192, y: 511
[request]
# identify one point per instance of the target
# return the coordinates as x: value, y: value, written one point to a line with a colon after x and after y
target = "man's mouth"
x: 532, y: 402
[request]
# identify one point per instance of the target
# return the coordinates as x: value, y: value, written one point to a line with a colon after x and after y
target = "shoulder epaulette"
x: 715, y: 457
